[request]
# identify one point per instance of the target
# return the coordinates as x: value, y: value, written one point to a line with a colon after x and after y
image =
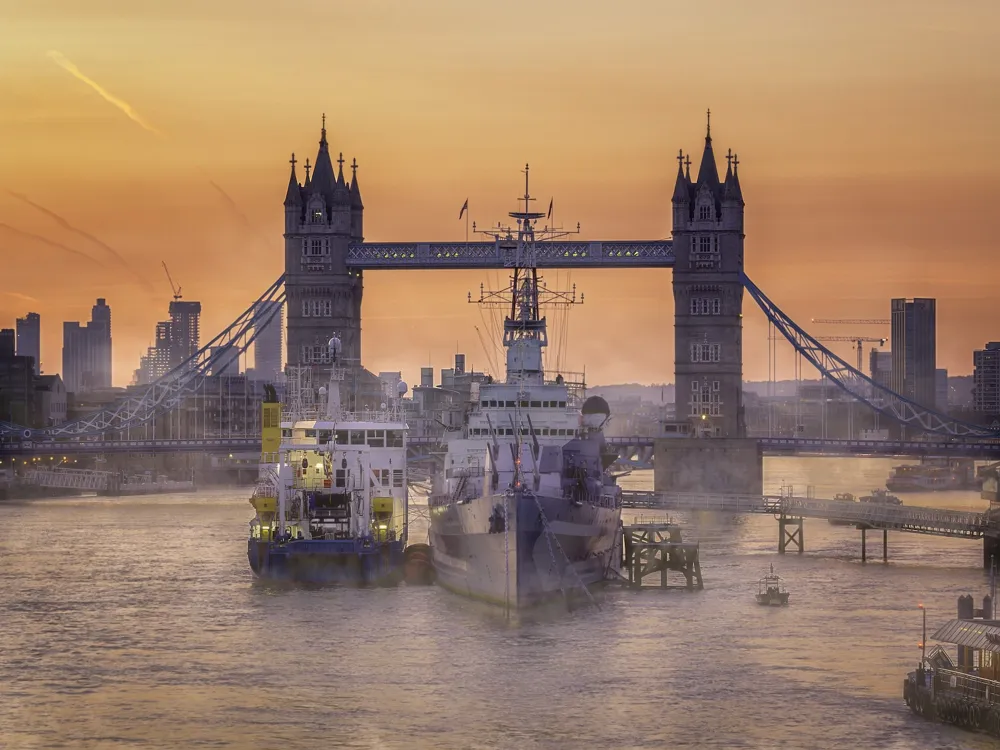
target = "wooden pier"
x: 651, y: 548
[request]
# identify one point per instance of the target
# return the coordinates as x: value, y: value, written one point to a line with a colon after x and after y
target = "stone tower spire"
x: 708, y: 299
x: 323, y: 295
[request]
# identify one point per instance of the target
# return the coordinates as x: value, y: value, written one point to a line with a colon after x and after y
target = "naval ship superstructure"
x: 331, y: 500
x: 525, y: 508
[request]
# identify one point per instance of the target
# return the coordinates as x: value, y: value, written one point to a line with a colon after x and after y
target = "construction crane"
x: 858, y: 341
x: 175, y: 289
x: 855, y: 321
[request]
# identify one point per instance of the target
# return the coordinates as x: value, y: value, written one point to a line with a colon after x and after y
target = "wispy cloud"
x: 243, y: 217
x: 18, y: 295
x: 124, y: 106
x: 50, y: 243
x: 70, y: 228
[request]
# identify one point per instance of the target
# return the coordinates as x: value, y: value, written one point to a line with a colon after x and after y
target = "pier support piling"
x: 790, y: 532
x: 885, y: 545
x: 864, y: 546
x: 657, y: 548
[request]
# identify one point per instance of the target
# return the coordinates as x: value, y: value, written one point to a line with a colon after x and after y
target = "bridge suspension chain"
x: 859, y: 386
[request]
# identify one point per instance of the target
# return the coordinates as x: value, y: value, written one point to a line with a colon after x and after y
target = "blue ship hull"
x: 345, y: 561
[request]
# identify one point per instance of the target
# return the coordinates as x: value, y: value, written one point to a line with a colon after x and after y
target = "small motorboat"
x: 845, y: 497
x: 881, y: 497
x: 770, y: 591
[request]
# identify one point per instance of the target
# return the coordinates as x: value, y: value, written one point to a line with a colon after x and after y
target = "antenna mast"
x: 524, y: 330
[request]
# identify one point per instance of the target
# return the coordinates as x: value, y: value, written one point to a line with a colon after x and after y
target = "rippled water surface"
x: 136, y: 623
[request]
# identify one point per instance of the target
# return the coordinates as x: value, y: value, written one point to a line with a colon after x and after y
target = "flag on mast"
x: 465, y: 207
x: 550, y: 208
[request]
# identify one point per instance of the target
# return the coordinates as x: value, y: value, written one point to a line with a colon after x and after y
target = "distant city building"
x: 29, y: 338
x: 914, y: 350
x: 52, y: 400
x: 267, y: 344
x: 7, y: 340
x: 941, y: 389
x: 87, y: 351
x: 226, y: 361
x: 185, y: 331
x: 880, y: 365
x: 100, y: 322
x: 177, y: 340
x: 986, y: 379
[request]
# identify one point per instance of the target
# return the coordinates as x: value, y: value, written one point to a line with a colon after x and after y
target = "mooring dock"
x: 966, y: 694
x: 790, y: 511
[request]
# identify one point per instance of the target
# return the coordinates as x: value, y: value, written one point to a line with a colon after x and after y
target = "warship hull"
x: 496, y: 548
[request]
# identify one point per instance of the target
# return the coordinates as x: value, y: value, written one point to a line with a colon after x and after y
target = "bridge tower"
x: 708, y: 296
x: 323, y: 216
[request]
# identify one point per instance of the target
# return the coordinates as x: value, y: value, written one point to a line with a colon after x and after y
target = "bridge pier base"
x: 713, y: 465
x: 793, y: 537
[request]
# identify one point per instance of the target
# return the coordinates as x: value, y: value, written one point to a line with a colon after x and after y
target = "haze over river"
x: 137, y: 623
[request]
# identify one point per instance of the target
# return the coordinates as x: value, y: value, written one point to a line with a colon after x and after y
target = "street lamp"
x: 923, y: 640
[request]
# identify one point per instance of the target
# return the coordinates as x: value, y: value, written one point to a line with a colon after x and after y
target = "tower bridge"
x: 327, y: 256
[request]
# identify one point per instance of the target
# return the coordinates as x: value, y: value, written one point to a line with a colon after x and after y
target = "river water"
x: 137, y: 623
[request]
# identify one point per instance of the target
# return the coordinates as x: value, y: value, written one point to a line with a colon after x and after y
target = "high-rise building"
x: 914, y: 354
x: 986, y: 379
x: 267, y: 342
x: 87, y: 351
x: 7, y: 340
x: 185, y: 333
x: 100, y: 323
x: 29, y: 338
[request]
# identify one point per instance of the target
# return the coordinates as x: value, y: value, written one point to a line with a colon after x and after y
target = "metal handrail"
x: 970, y: 686
x: 874, y: 515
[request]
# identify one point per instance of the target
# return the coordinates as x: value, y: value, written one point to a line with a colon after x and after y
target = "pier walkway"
x: 911, y: 518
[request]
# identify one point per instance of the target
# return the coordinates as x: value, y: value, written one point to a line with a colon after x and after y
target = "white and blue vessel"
x: 331, y: 499
x: 525, y: 509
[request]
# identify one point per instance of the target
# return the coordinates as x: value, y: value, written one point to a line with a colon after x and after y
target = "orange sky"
x: 865, y: 132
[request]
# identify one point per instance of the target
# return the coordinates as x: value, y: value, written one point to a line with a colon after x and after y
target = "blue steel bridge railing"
x: 495, y: 254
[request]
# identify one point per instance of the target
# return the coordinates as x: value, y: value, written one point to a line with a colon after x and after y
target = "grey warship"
x: 525, y: 509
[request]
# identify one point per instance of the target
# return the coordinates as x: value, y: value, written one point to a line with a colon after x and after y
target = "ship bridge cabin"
x: 331, y: 463
x: 550, y: 410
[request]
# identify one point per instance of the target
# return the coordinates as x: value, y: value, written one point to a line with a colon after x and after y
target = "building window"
x: 694, y: 386
x: 704, y: 252
x: 706, y: 306
x: 704, y: 212
x: 706, y: 352
x: 715, y: 386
